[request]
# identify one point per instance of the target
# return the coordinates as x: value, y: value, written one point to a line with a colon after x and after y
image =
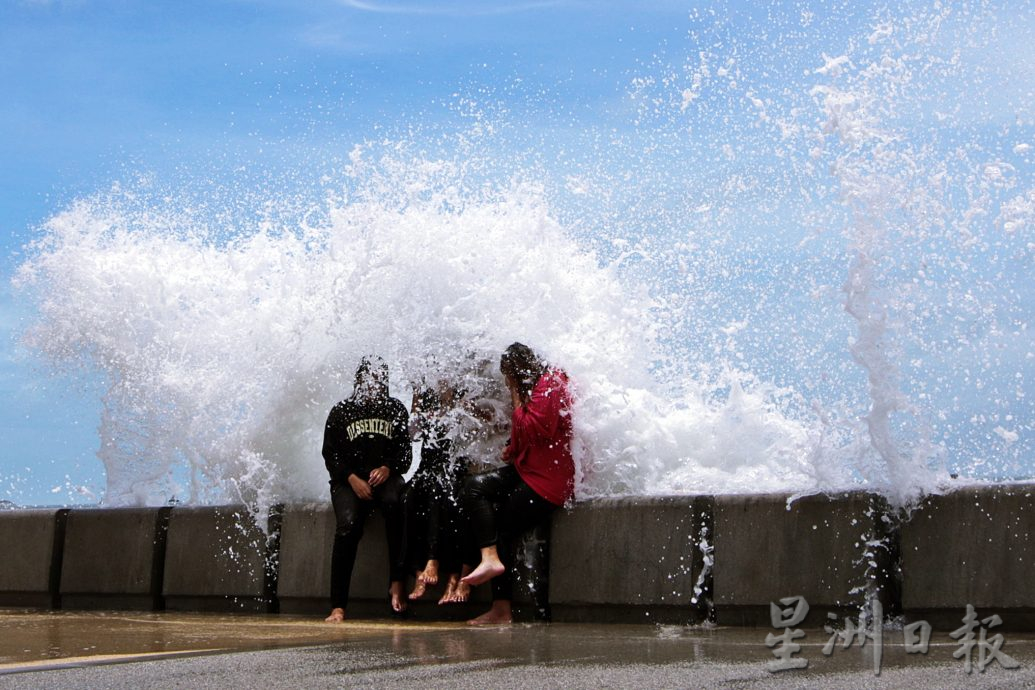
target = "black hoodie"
x: 361, y: 436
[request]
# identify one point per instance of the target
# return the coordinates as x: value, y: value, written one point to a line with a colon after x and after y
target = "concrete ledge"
x: 307, y: 533
x: 817, y: 548
x: 217, y: 559
x: 114, y: 558
x: 973, y: 546
x: 611, y: 560
x: 631, y: 560
x: 307, y: 536
x: 31, y: 542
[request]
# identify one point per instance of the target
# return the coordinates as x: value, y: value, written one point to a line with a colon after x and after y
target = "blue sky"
x: 96, y: 92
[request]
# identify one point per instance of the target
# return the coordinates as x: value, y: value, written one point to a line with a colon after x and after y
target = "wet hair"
x: 524, y: 366
x: 372, y: 367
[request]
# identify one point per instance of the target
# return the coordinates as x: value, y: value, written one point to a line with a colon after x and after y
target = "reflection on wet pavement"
x: 33, y: 636
x: 37, y: 641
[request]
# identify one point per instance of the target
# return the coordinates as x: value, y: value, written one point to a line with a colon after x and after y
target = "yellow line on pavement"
x: 78, y: 661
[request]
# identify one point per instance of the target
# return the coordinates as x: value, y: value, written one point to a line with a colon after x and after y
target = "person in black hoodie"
x: 366, y: 447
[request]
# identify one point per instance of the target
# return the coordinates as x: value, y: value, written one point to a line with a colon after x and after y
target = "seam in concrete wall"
x: 57, y: 557
x: 274, y: 520
x: 158, y: 562
x: 704, y: 513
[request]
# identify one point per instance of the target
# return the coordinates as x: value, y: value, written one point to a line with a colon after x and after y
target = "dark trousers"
x: 433, y: 529
x: 500, y: 508
x: 350, y: 512
x: 436, y: 525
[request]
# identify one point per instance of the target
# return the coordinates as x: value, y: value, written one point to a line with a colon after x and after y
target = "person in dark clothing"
x: 433, y: 509
x: 366, y: 447
x: 538, y: 477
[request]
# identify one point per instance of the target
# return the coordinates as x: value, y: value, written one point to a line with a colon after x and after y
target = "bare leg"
x: 337, y: 616
x: 490, y: 567
x: 395, y: 590
x: 499, y: 614
x: 430, y: 574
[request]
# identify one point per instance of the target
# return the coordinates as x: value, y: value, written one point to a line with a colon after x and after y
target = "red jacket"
x: 540, y: 439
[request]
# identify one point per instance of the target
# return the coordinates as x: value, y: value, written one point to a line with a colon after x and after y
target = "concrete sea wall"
x: 676, y: 559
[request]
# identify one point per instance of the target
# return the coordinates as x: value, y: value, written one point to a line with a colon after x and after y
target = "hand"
x: 360, y: 487
x: 379, y: 475
x: 485, y: 414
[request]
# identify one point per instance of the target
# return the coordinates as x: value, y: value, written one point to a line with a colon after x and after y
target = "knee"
x: 475, y: 486
x: 348, y: 524
x: 394, y: 493
x: 348, y: 529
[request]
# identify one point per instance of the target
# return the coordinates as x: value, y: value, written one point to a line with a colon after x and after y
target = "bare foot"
x: 337, y: 616
x: 462, y: 590
x: 430, y: 574
x: 462, y: 593
x: 398, y: 600
x: 485, y: 571
x: 499, y: 614
x: 451, y: 582
x: 418, y: 587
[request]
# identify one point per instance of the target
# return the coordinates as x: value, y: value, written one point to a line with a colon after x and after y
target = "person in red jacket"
x: 539, y: 475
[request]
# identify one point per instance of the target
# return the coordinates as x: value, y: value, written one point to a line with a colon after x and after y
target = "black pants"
x: 500, y: 508
x: 351, y: 513
x: 434, y: 528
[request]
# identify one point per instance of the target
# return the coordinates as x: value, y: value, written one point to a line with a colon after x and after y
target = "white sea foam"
x: 224, y: 356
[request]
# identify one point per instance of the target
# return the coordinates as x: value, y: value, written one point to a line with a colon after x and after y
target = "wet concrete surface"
x: 137, y: 650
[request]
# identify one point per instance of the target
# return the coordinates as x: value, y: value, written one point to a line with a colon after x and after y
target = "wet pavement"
x: 169, y: 650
